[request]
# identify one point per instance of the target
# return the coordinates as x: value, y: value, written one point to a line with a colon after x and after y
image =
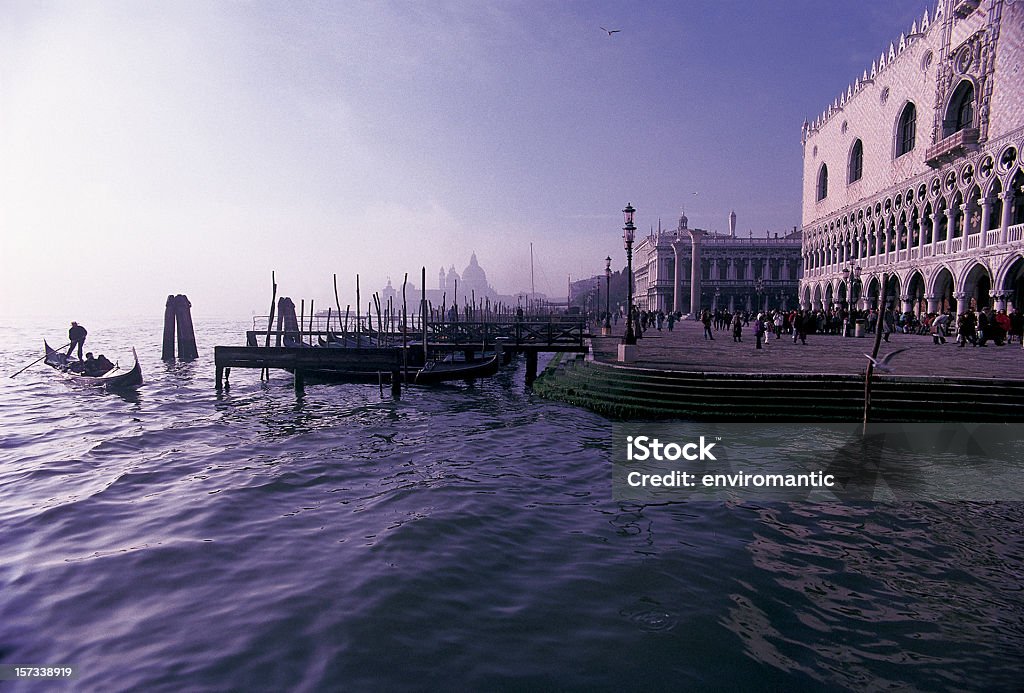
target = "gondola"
x: 433, y: 373
x: 115, y: 379
x: 333, y: 341
x: 440, y: 371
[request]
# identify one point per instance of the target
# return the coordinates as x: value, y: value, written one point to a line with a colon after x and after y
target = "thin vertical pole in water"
x: 273, y: 305
x: 423, y: 310
x: 336, y: 302
x: 532, y: 290
x: 281, y: 304
x: 265, y: 373
x: 358, y: 329
x: 380, y: 323
x: 302, y: 318
x: 405, y: 338
x: 311, y: 322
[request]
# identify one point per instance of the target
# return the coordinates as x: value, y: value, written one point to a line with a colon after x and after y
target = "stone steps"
x: 632, y: 392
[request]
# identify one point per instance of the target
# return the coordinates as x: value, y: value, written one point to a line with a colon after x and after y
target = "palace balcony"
x: 956, y: 145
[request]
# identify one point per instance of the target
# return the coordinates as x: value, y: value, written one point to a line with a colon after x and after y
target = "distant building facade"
x: 914, y: 173
x: 732, y: 272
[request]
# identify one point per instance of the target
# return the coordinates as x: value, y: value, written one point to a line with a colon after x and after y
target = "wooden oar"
x: 38, y: 360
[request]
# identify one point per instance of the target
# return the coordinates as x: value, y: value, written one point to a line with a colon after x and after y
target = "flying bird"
x: 882, y: 364
x: 611, y: 31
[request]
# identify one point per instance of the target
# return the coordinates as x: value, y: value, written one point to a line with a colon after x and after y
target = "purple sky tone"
x: 192, y: 147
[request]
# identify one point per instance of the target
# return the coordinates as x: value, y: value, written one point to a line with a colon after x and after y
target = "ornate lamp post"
x: 718, y: 296
x: 758, y: 289
x: 628, y: 234
x: 607, y: 295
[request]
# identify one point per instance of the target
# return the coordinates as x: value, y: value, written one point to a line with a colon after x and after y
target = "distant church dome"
x: 474, y: 274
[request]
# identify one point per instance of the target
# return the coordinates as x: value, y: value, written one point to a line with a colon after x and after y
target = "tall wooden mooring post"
x: 178, y: 312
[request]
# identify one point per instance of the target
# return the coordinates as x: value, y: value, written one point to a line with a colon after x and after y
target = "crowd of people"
x: 976, y: 328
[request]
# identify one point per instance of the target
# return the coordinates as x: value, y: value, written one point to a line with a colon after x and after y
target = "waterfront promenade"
x: 685, y: 349
x: 681, y: 375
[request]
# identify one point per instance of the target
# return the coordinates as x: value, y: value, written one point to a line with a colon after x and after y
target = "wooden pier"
x: 387, y: 355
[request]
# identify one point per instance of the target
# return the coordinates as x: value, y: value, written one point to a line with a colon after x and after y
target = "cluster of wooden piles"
x: 393, y: 351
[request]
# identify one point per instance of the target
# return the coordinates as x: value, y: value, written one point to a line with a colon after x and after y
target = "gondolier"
x: 112, y: 379
x: 77, y: 335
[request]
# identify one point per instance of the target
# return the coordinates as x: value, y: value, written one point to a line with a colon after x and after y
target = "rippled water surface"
x: 178, y: 539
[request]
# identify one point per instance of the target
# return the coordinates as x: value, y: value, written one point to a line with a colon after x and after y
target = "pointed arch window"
x: 856, y: 162
x: 822, y: 182
x: 960, y: 114
x: 906, y: 130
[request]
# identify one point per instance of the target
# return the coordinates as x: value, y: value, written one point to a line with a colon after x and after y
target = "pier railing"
x: 549, y: 333
x: 565, y: 332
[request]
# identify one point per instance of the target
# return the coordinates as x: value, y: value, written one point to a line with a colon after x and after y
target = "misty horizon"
x: 148, y: 150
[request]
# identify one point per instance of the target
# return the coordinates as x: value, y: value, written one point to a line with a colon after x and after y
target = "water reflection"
x: 853, y: 598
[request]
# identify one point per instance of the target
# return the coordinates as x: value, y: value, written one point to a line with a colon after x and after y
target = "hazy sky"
x: 149, y: 148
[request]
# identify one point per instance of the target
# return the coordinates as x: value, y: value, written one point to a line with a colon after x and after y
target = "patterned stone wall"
x: 944, y: 218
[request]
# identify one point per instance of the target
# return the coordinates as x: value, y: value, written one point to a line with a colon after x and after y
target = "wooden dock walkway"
x: 373, y: 355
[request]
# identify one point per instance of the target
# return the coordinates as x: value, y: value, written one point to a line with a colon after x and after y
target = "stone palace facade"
x: 914, y: 174
x: 732, y: 272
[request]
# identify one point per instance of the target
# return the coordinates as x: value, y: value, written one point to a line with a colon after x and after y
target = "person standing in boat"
x: 77, y: 335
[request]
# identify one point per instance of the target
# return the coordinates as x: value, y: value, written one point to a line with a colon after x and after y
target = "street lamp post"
x: 607, y: 329
x: 628, y: 234
x: 851, y: 275
x: 758, y: 289
x: 718, y: 296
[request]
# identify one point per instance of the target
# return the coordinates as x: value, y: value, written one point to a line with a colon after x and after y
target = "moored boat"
x: 433, y: 373
x: 440, y: 371
x: 114, y: 379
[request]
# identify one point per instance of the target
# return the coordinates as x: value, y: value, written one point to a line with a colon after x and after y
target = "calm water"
x: 463, y: 536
